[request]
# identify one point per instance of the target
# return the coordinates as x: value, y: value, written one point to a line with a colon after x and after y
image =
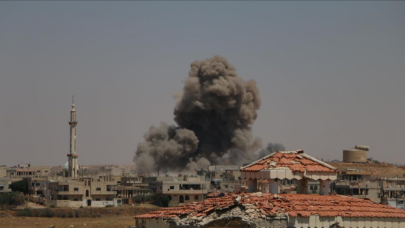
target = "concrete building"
x: 4, y: 184
x: 3, y: 171
x: 37, y: 185
x: 131, y: 186
x: 257, y: 209
x: 73, y: 166
x: 357, y: 154
x: 182, y: 190
x: 361, y: 184
x: 289, y: 165
x: 84, y: 191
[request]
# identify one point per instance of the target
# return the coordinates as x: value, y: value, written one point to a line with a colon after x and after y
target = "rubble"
x: 265, y: 208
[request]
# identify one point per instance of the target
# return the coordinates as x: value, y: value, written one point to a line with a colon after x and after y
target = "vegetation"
x: 164, y: 201
x: 20, y: 186
x: 144, y: 198
x: 12, y: 198
x: 24, y: 212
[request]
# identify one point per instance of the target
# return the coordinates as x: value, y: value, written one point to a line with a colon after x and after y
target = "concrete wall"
x: 65, y: 203
x: 191, y: 198
x: 3, y: 171
x: 151, y: 223
x: 101, y: 203
x: 4, y: 183
x: 355, y: 155
x: 316, y: 221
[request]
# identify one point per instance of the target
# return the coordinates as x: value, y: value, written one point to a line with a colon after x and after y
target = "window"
x: 171, y: 187
x: 98, y: 189
x: 37, y: 184
x: 75, y: 199
x: 187, y: 197
x: 1, y: 187
x: 195, y: 197
x: 76, y: 189
x: 97, y: 199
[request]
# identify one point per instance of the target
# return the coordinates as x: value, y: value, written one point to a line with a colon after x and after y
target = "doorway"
x: 181, y: 199
x: 88, y: 202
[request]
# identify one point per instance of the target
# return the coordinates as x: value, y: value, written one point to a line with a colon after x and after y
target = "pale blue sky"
x: 331, y: 74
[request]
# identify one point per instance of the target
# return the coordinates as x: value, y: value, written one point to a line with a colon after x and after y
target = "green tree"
x: 20, y: 186
x: 164, y: 201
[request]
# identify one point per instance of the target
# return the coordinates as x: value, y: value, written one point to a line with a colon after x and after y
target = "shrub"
x: 52, y: 206
x: 164, y: 201
x: 109, y: 205
x: 24, y: 212
x: 12, y: 198
x: 48, y: 213
x: 70, y: 214
x: 63, y: 215
x: 77, y: 214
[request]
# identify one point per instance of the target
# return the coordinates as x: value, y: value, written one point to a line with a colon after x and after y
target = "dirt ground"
x: 121, y: 217
x: 112, y: 221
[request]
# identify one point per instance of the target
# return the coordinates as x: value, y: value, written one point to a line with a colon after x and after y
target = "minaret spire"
x: 72, y: 156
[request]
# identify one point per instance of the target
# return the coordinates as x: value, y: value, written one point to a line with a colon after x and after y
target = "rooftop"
x: 261, y: 205
x: 296, y: 161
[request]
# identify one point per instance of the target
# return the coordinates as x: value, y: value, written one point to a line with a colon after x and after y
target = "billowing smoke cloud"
x: 271, y: 147
x: 214, y: 112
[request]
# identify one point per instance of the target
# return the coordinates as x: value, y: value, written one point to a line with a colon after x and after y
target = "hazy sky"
x: 331, y: 74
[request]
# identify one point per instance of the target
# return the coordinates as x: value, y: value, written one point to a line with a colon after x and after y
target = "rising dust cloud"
x: 214, y: 113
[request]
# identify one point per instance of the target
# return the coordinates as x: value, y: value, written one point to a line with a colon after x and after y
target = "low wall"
x: 38, y: 200
x: 65, y: 203
x: 101, y: 203
x: 316, y: 221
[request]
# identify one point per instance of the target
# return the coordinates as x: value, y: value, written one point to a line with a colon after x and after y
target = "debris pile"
x: 256, y: 207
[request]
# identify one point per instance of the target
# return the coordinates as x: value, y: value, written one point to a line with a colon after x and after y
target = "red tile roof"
x: 293, y: 205
x: 296, y: 161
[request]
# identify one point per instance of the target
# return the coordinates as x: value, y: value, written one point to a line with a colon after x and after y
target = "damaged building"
x: 276, y: 210
x: 271, y: 209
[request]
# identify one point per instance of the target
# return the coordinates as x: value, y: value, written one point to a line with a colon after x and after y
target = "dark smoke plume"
x: 271, y: 147
x: 214, y: 112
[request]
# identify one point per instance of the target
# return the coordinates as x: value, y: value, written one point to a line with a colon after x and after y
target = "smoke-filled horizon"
x: 214, y: 113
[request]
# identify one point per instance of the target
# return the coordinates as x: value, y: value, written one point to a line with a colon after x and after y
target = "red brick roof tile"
x: 267, y: 204
x: 294, y: 160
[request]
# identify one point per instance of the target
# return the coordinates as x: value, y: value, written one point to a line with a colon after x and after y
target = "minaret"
x: 72, y: 156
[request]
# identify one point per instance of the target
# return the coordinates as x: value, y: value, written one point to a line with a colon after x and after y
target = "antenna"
x: 73, y: 99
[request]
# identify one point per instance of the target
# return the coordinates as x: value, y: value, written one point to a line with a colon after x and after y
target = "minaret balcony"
x: 73, y: 123
x: 73, y: 155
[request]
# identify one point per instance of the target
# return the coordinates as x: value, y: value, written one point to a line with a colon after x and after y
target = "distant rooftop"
x: 296, y: 161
